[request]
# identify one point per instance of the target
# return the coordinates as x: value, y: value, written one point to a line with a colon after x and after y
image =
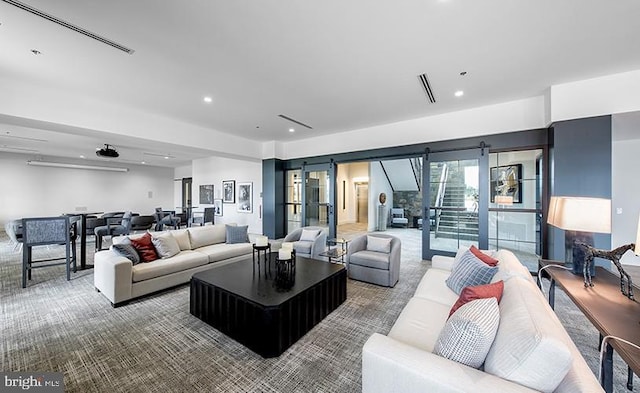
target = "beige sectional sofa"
x: 531, y: 350
x: 201, y: 248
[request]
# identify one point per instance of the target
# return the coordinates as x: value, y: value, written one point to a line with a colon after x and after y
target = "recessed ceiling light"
x: 292, y: 130
x: 208, y: 99
x: 459, y: 93
x: 81, y: 156
x: 143, y: 162
x: 166, y: 157
x: 36, y: 52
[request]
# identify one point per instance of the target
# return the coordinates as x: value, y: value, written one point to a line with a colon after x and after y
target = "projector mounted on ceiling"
x: 108, y: 152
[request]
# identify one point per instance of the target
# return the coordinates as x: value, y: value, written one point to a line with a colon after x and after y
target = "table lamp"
x: 583, y: 216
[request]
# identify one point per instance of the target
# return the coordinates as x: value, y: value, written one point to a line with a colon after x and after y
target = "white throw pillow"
x: 468, y: 334
x: 309, y: 235
x: 182, y: 237
x: 166, y: 245
x: 207, y: 235
x: 379, y: 244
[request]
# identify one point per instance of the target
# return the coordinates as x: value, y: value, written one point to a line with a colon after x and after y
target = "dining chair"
x: 113, y: 230
x: 42, y: 231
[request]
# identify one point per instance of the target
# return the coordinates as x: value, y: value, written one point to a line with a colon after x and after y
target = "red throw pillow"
x: 483, y: 257
x: 145, y: 248
x: 479, y: 292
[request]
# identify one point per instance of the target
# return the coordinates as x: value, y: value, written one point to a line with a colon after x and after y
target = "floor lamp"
x: 584, y: 216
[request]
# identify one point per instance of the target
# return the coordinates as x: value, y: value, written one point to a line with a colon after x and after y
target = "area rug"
x: 155, y: 344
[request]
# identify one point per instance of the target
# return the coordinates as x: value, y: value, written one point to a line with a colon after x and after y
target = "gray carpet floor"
x: 154, y: 344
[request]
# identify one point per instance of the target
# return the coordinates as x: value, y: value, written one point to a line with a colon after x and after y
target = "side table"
x: 336, y: 250
x: 262, y: 253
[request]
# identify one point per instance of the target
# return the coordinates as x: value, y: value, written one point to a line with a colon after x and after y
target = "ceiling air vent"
x: 424, y: 81
x: 295, y: 121
x: 68, y: 25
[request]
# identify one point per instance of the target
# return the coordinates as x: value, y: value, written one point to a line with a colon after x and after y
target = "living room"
x: 251, y: 93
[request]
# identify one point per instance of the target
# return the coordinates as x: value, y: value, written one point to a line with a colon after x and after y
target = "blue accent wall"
x: 580, y: 165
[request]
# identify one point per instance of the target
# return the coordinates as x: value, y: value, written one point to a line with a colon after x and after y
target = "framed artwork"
x: 229, y: 191
x: 217, y: 207
x: 507, y: 181
x: 245, y: 197
x: 206, y: 194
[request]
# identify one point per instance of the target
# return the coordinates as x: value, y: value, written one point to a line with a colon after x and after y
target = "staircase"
x: 453, y: 224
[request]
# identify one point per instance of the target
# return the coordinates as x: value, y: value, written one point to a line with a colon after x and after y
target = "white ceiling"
x: 335, y: 65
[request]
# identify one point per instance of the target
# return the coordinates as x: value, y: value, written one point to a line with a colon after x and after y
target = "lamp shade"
x: 580, y: 214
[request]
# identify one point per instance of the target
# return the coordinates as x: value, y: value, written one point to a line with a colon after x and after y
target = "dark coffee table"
x: 247, y: 306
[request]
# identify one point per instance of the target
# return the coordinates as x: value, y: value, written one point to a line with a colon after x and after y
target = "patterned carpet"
x: 154, y: 344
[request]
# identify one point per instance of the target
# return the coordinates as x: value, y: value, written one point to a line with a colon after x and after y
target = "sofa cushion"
x: 379, y: 244
x: 433, y: 286
x: 479, y: 292
x: 207, y: 235
x: 237, y: 234
x: 373, y: 259
x: 182, y: 237
x: 510, y: 266
x: 528, y: 348
x: 145, y: 248
x: 165, y: 244
x: 420, y: 323
x: 469, y: 333
x: 469, y: 271
x: 483, y: 257
x: 162, y: 267
x: 302, y: 247
x: 128, y: 251
x: 309, y: 235
x: 220, y: 252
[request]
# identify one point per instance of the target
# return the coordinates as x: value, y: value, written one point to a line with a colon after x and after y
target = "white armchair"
x: 398, y: 218
x: 374, y: 258
x: 308, y: 241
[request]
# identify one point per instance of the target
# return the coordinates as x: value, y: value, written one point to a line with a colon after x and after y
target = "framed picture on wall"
x: 507, y: 181
x: 245, y: 197
x: 229, y: 191
x: 217, y: 207
x: 206, y: 194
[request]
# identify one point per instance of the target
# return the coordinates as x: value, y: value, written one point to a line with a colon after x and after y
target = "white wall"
x: 511, y: 116
x: 625, y: 189
x: 606, y: 95
x: 214, y: 170
x: 377, y: 183
x: 31, y: 191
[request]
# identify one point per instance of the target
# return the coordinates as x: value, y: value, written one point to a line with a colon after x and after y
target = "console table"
x: 612, y: 313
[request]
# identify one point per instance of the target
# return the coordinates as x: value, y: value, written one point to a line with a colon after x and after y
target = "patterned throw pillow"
x: 467, y: 336
x: 483, y: 257
x: 237, y: 234
x: 166, y: 245
x: 479, y: 292
x: 128, y: 251
x: 309, y: 235
x: 145, y: 248
x: 469, y: 272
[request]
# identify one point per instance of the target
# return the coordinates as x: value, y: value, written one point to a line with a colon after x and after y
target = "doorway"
x: 318, y: 196
x: 454, y: 201
x: 362, y: 203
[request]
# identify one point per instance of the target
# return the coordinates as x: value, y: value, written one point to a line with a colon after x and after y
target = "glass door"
x: 454, y: 201
x: 318, y: 196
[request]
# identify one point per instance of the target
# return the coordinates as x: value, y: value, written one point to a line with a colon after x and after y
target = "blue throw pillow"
x: 128, y: 251
x: 237, y: 234
x: 470, y: 271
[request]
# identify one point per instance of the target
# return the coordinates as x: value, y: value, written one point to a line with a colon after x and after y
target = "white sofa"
x: 201, y: 248
x: 531, y: 348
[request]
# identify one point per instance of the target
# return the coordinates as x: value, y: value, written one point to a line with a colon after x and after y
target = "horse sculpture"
x: 614, y: 256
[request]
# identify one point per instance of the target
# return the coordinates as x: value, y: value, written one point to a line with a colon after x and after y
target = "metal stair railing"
x: 442, y: 187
